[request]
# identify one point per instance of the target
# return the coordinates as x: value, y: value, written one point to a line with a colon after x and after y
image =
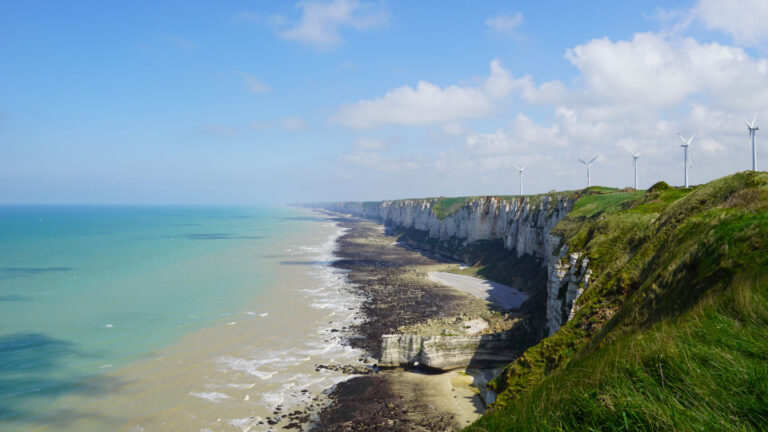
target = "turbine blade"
x: 682, y: 139
x: 691, y: 139
x: 516, y: 166
x: 749, y: 126
x: 754, y: 118
x: 582, y: 161
x: 523, y: 168
x: 594, y: 158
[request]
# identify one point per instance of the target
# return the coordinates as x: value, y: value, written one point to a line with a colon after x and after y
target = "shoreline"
x: 391, y: 279
x: 260, y: 360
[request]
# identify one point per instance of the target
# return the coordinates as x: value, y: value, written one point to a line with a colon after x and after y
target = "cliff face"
x: 567, y: 278
x: 446, y: 352
x: 523, y: 223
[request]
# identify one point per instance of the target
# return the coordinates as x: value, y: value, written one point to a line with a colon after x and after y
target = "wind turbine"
x: 635, y: 157
x: 752, y: 129
x: 589, y: 165
x: 684, y: 145
x: 521, y: 177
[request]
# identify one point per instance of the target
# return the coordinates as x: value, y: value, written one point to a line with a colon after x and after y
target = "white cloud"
x: 321, y: 22
x: 504, y: 23
x: 429, y: 103
x: 291, y: 123
x: 654, y: 71
x: 253, y: 84
x: 522, y: 135
x: 370, y: 144
x: 744, y: 20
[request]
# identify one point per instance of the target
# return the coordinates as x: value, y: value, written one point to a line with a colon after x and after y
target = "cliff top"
x: 670, y: 334
x: 446, y: 206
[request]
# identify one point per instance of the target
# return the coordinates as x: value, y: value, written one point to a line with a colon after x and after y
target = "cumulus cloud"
x: 504, y: 23
x: 631, y: 94
x: 321, y: 23
x: 522, y: 135
x: 429, y: 103
x: 744, y: 20
x: 654, y: 71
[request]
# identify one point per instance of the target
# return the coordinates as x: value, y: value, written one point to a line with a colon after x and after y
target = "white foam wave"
x: 214, y: 397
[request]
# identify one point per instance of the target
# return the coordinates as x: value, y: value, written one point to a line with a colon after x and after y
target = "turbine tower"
x: 635, y: 157
x: 589, y: 165
x: 684, y: 145
x: 752, y: 129
x: 521, y: 177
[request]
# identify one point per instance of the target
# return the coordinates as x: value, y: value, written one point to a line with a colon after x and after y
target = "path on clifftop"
x: 500, y: 294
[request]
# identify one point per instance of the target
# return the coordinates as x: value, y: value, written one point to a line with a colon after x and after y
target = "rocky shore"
x: 392, y: 280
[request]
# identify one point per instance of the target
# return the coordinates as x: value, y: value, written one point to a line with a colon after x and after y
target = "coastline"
x: 255, y: 368
x: 392, y: 282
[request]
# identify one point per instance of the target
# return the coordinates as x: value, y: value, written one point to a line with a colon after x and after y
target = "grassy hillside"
x: 672, y: 333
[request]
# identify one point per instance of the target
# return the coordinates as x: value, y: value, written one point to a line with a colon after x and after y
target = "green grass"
x: 444, y: 207
x: 672, y: 333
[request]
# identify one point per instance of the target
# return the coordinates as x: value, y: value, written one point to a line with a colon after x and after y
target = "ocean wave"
x: 214, y: 397
x: 280, y: 382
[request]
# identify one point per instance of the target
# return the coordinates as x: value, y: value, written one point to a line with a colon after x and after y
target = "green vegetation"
x: 444, y: 207
x: 672, y: 333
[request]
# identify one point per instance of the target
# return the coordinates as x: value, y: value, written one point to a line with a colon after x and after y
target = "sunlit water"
x: 165, y: 318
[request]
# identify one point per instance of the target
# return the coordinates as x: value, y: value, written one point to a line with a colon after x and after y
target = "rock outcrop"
x: 446, y: 352
x: 568, y: 277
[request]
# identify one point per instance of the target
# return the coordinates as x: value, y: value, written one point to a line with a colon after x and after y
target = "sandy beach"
x: 494, y: 292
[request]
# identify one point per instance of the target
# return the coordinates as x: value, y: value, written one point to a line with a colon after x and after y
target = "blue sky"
x: 249, y: 102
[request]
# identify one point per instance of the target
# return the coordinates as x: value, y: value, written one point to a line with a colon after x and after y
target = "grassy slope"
x: 672, y: 333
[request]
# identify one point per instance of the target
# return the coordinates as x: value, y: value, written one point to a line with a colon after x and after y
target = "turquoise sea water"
x: 86, y: 289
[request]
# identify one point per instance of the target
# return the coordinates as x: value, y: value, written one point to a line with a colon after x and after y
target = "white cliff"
x: 566, y: 281
x: 523, y: 223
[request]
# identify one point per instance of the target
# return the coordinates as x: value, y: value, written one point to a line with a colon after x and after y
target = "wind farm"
x: 752, y: 128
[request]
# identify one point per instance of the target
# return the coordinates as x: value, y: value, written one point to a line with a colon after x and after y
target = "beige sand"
x: 449, y: 392
x: 500, y: 294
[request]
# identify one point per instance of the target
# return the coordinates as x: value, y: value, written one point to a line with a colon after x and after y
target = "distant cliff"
x: 450, y: 225
x: 523, y: 223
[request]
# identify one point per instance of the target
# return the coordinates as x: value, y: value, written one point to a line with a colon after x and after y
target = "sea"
x: 172, y: 318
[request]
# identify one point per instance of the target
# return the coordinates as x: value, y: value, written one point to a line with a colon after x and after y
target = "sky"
x: 271, y: 102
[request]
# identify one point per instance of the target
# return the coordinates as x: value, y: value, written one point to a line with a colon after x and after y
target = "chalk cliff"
x: 446, y: 352
x: 522, y: 223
